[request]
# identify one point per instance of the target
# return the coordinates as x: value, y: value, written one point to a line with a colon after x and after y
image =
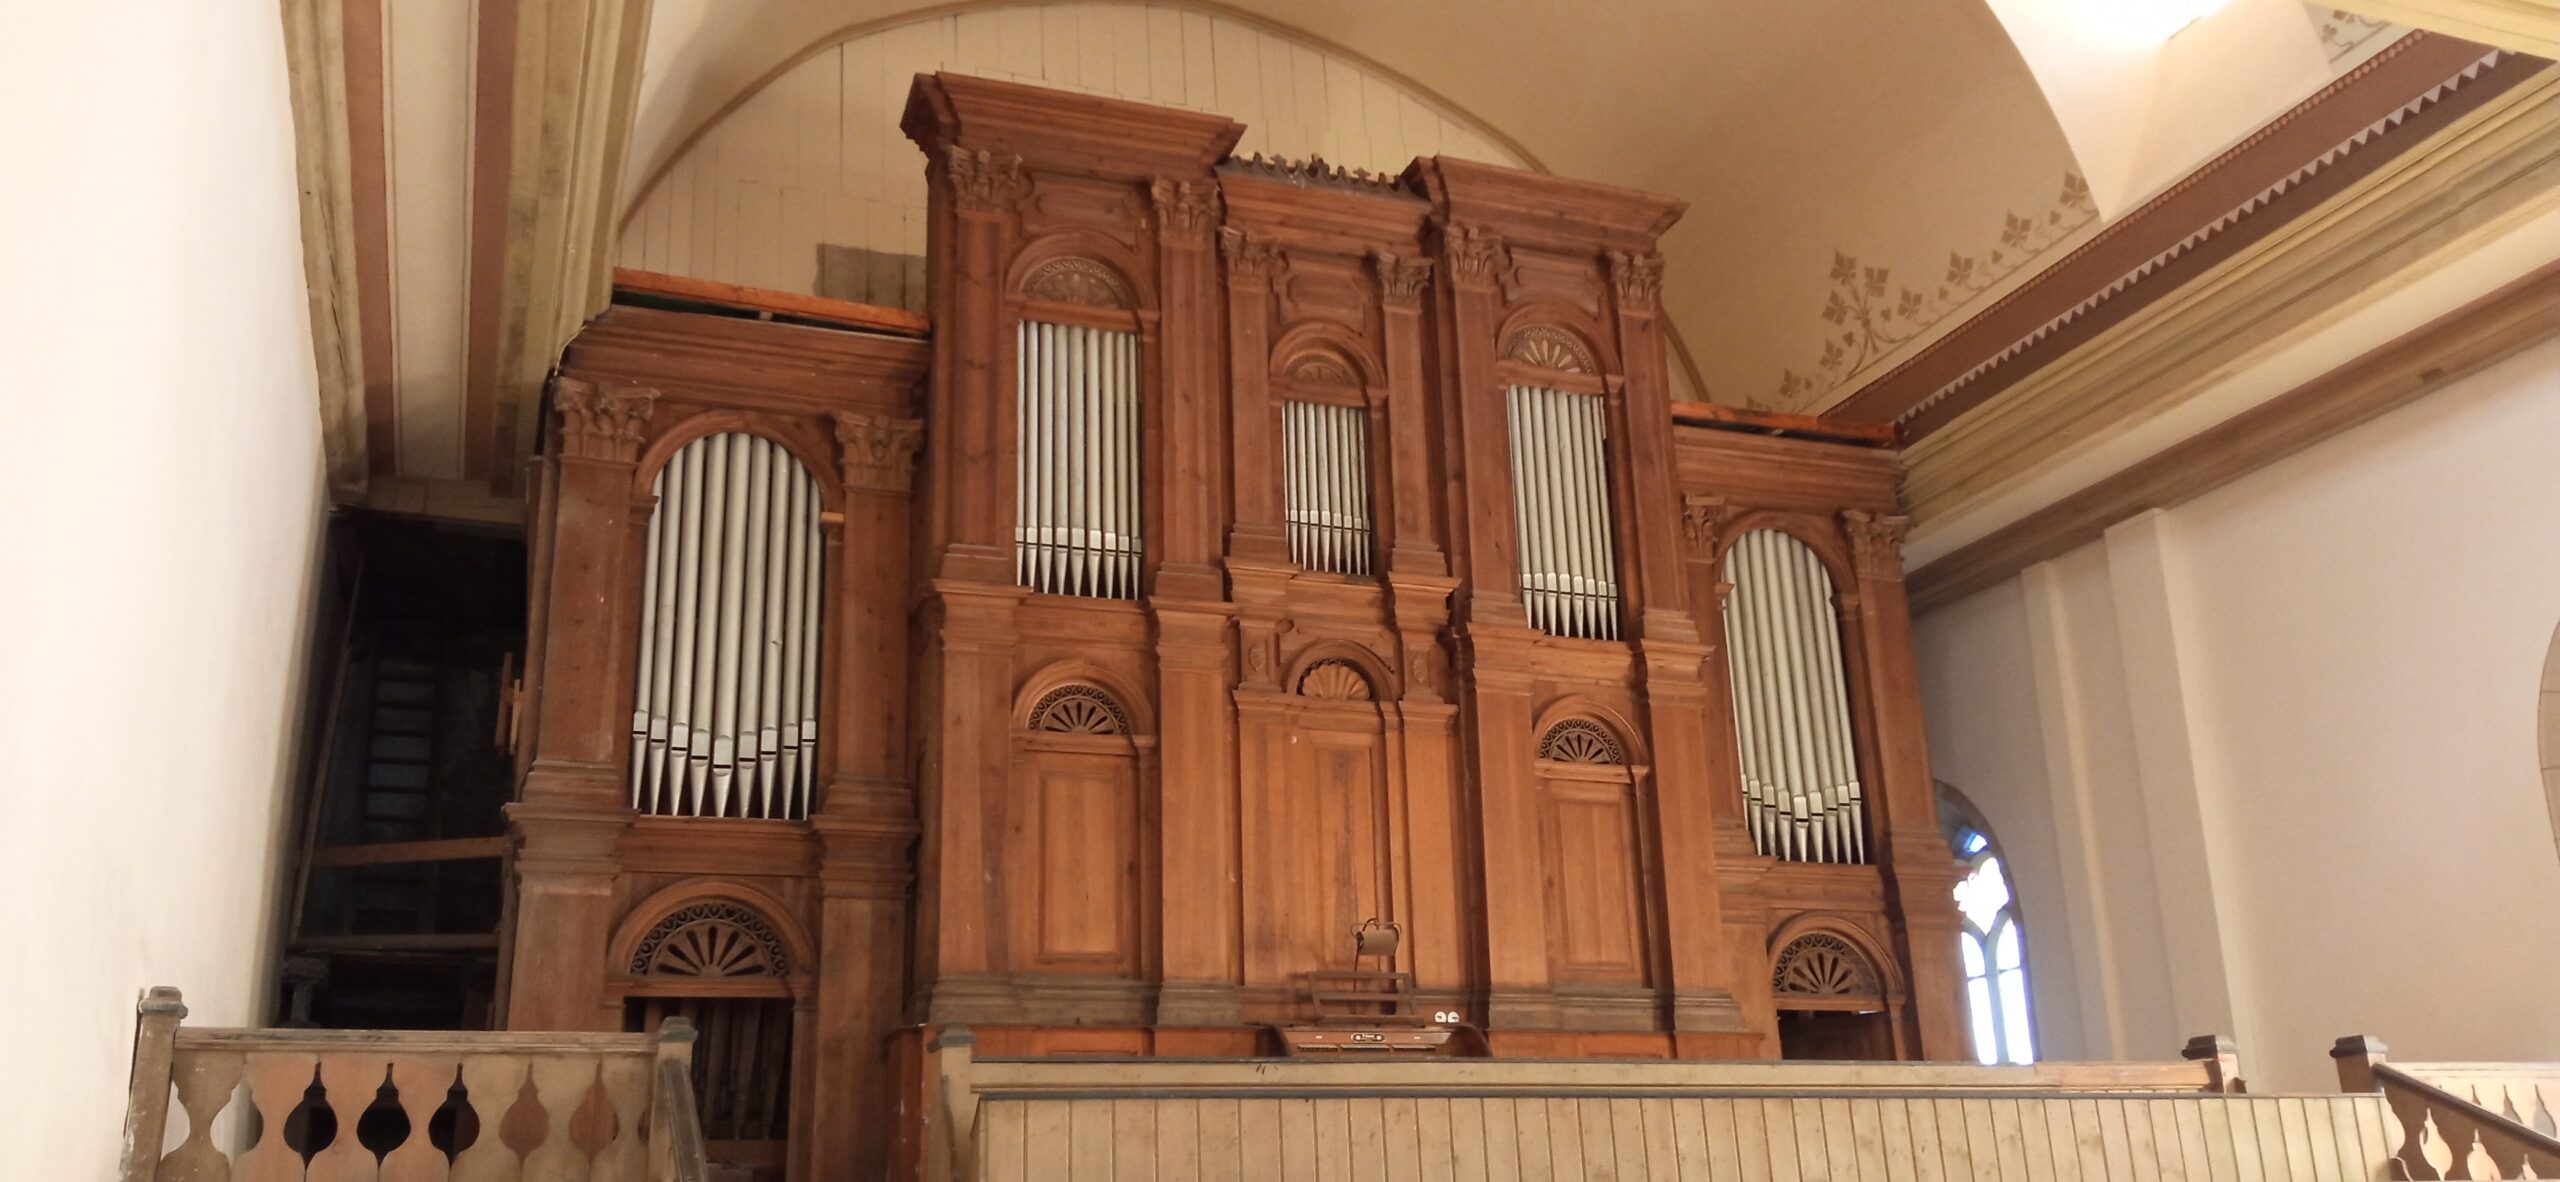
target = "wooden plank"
x: 2089, y: 1139
x: 1866, y: 1138
x: 1716, y: 1123
x: 1401, y: 1156
x: 2222, y: 1159
x: 2064, y: 1142
x: 2375, y: 1136
x: 1693, y: 1148
x: 387, y: 853
x: 1894, y: 1134
x: 1177, y: 1148
x: 2350, y: 1141
x: 1501, y: 1140
x: 1980, y: 1139
x: 2323, y: 1138
x: 1603, y: 1142
x: 2164, y: 1140
x: 1470, y: 1140
x: 1003, y: 1153
x: 1785, y: 1162
x: 2297, y: 1134
x: 1955, y: 1149
x: 736, y: 295
x: 2188, y: 1116
x: 1333, y: 1140
x: 1089, y: 1141
x: 1839, y: 1140
x: 1719, y: 416
x: 1222, y: 1137
x: 1751, y: 1136
x: 2115, y: 1140
x: 1564, y: 1139
x: 1434, y: 1158
x: 1813, y: 1153
x: 1656, y: 1143
x: 1928, y: 1152
x: 2009, y: 1140
x: 1296, y: 1144
x: 2273, y: 1154
x: 1537, y: 1150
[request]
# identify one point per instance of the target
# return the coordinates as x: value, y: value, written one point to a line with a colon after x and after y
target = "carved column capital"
x: 1875, y: 542
x: 1638, y: 278
x: 1702, y: 522
x: 982, y: 181
x: 602, y: 422
x: 1185, y: 212
x: 1249, y: 255
x: 1476, y: 257
x: 879, y: 451
x: 1400, y: 279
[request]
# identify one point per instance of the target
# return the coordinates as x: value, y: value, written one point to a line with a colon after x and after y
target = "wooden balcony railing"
x: 418, y: 1106
x: 2460, y: 1120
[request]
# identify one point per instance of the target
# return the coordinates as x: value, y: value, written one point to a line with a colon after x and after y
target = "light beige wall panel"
x: 161, y: 467
x: 428, y: 87
x: 814, y: 156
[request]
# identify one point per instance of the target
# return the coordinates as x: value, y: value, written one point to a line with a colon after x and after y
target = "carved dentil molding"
x: 1249, y: 255
x: 602, y: 422
x: 1875, y: 542
x: 982, y: 181
x: 1400, y: 279
x: 1638, y: 278
x: 879, y: 452
x: 1184, y: 210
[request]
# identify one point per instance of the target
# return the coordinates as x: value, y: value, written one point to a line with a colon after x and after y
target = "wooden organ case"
x: 1255, y: 550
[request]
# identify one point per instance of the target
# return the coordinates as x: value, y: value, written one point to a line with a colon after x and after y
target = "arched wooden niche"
x: 1071, y: 834
x: 722, y: 965
x: 1075, y: 279
x: 1823, y: 967
x: 712, y: 940
x: 1835, y: 1000
x: 1336, y: 680
x: 1591, y: 834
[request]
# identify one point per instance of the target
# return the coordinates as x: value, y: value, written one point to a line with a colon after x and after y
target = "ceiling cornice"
x: 2349, y: 130
x: 315, y: 65
x: 2433, y: 357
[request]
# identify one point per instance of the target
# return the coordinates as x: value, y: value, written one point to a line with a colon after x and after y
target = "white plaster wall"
x: 2359, y: 633
x: 160, y: 496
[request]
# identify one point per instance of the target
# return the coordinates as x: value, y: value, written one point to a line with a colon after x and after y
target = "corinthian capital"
x: 1875, y: 542
x: 601, y: 422
x: 879, y: 452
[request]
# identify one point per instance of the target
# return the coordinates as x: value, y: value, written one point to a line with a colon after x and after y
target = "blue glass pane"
x: 1972, y: 843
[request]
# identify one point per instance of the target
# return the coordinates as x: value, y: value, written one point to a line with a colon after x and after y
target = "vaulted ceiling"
x: 1863, y: 179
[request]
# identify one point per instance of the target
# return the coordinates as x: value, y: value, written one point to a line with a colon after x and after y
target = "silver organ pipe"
x: 724, y: 701
x: 1560, y: 490
x: 1076, y: 436
x: 1800, y: 792
x: 1325, y: 460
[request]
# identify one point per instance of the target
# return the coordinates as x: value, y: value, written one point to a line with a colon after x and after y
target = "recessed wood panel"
x: 1317, y: 843
x: 1073, y: 876
x: 1594, y: 871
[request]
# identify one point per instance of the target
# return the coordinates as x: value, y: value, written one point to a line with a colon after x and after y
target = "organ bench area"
x: 1250, y: 550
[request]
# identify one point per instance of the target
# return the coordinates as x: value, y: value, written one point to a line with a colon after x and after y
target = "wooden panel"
x: 1594, y: 869
x: 1073, y: 872
x: 1317, y: 855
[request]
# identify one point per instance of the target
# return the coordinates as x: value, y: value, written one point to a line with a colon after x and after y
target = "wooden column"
x: 1691, y: 770
x: 572, y: 812
x: 866, y: 824
x: 968, y: 517
x: 1258, y: 535
x: 1413, y: 548
x: 1919, y: 871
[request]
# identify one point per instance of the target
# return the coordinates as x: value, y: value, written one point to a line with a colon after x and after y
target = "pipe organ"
x: 1790, y: 702
x: 1245, y: 551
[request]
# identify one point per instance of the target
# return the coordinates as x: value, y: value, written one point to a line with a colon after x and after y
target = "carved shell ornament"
x: 1548, y: 347
x: 713, y: 939
x: 1079, y: 281
x: 1079, y: 710
x: 1322, y: 369
x: 1339, y: 681
x: 1819, y: 964
x: 1580, y: 740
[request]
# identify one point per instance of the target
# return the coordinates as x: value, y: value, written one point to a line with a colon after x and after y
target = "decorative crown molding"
x: 1315, y: 172
x: 1400, y: 279
x: 1249, y: 255
x: 1185, y: 210
x: 602, y: 422
x: 1875, y: 542
x: 982, y: 181
x: 879, y: 452
x: 1638, y: 278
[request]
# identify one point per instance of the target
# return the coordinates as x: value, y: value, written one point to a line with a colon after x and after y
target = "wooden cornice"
x: 1543, y: 208
x: 2527, y: 26
x: 2516, y: 317
x: 2436, y: 205
x: 745, y: 360
x: 1057, y: 130
x: 766, y: 303
x: 2348, y: 131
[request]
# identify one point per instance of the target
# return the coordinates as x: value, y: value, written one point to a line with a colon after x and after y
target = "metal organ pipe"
x: 1801, y: 797
x: 724, y: 715
x: 1325, y: 487
x: 1560, y: 506
x: 1076, y: 506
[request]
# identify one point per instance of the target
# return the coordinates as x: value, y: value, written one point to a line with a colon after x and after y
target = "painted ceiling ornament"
x: 1871, y: 315
x: 2343, y: 32
x: 602, y: 422
x: 1185, y: 210
x: 1400, y: 279
x: 1248, y: 254
x: 1079, y: 710
x: 879, y: 452
x: 1077, y: 280
x: 1548, y: 347
x: 982, y: 181
x: 1819, y: 964
x: 1638, y: 278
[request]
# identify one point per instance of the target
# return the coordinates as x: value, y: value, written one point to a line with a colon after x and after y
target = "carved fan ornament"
x: 1551, y: 348
x: 1078, y: 281
x: 1322, y: 369
x: 1823, y: 965
x: 1079, y: 710
x: 717, y: 939
x: 1340, y: 681
x: 1580, y: 740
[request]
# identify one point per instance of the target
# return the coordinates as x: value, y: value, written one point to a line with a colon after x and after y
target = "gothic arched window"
x: 1992, y: 949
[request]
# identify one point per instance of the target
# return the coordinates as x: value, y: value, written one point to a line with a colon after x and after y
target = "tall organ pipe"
x: 1076, y: 507
x: 724, y: 716
x: 1801, y: 796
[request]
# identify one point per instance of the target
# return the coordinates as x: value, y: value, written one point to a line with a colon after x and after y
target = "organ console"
x: 1251, y: 549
